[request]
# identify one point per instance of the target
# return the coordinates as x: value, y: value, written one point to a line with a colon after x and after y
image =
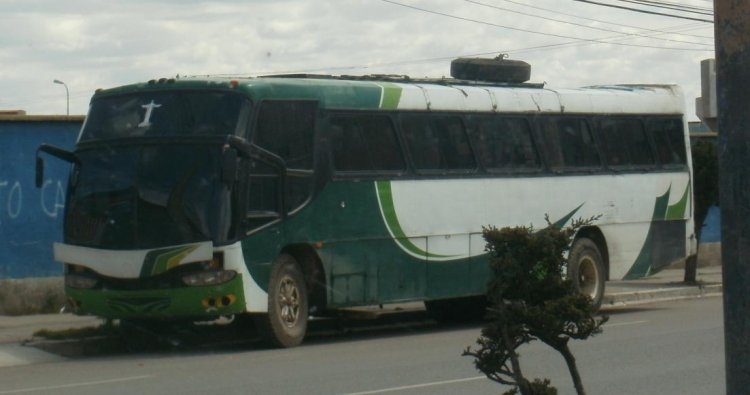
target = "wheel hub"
x: 588, y: 278
x: 289, y: 302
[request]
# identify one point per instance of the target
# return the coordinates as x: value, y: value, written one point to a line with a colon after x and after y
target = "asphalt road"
x: 667, y: 348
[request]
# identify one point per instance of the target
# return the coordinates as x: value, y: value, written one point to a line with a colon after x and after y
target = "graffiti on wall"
x: 31, y: 218
x: 51, y: 199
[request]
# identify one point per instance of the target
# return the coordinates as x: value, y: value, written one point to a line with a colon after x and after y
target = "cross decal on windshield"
x: 147, y: 118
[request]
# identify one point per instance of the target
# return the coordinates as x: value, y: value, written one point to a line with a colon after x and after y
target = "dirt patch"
x: 31, y: 296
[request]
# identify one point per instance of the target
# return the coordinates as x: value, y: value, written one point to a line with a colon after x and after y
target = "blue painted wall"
x: 711, y: 232
x: 31, y: 218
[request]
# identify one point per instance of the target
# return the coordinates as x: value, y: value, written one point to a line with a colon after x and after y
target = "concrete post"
x: 733, y: 85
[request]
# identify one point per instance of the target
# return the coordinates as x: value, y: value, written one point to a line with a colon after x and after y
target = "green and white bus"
x: 292, y: 196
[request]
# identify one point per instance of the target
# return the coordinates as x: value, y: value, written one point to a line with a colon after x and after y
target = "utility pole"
x: 732, y: 32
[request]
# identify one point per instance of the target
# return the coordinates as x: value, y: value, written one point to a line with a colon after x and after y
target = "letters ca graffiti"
x: 12, y: 203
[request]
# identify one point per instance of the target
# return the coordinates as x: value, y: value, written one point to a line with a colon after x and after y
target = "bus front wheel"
x: 285, y: 324
x: 586, y: 269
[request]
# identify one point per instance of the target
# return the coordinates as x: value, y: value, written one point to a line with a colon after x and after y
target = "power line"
x: 644, y: 11
x: 536, y: 32
x: 597, y: 20
x: 579, y: 24
x: 672, y: 6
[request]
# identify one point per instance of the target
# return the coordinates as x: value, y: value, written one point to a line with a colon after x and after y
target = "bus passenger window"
x: 437, y: 142
x: 365, y: 143
x: 505, y: 144
x: 625, y: 142
x: 669, y: 139
x: 568, y: 143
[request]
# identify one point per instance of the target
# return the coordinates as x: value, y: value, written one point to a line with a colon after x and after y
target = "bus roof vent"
x: 498, y: 69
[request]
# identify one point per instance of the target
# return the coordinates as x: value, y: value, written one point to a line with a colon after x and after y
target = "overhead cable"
x: 644, y: 11
x: 598, y: 20
x: 537, y: 32
x: 580, y: 24
x: 672, y: 6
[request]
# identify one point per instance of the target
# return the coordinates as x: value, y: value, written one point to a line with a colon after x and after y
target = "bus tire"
x: 586, y: 270
x: 285, y: 324
x: 491, y: 70
x: 466, y: 309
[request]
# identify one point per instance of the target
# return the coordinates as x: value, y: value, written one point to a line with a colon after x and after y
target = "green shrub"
x: 531, y: 299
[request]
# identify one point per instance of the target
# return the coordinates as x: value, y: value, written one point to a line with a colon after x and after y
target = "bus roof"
x: 402, y: 93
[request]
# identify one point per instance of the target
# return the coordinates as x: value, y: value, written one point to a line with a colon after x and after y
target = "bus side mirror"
x: 39, y: 172
x: 228, y: 165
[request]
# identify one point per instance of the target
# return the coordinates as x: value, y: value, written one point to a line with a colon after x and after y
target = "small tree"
x: 531, y: 299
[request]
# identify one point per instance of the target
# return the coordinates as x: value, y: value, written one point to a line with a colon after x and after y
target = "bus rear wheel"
x: 586, y: 269
x: 285, y: 324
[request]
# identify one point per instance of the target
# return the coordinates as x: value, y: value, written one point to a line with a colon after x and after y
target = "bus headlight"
x: 80, y: 281
x: 212, y: 277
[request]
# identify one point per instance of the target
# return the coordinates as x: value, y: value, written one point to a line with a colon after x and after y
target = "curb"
x: 660, y: 295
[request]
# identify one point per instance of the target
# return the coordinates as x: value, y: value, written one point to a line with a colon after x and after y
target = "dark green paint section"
x: 665, y: 240
x: 157, y: 261
x: 564, y: 220
x: 362, y: 262
x: 186, y: 302
x: 643, y: 263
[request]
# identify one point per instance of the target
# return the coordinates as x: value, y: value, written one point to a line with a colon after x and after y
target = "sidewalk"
x: 665, y: 285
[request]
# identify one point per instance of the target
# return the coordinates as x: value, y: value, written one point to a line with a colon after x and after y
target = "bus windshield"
x: 135, y: 197
x: 164, y: 114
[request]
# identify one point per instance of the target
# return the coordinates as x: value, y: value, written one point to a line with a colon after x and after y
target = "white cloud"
x: 91, y: 44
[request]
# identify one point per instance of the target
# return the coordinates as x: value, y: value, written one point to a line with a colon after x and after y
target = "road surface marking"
x: 408, y: 387
x: 625, y: 323
x: 73, y: 385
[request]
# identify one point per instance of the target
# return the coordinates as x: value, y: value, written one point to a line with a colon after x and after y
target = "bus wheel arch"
x: 588, y: 263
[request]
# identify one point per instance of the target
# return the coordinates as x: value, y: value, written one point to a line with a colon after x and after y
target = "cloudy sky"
x: 92, y: 44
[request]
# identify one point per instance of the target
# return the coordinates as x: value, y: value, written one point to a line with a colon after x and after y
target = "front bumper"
x: 201, y: 302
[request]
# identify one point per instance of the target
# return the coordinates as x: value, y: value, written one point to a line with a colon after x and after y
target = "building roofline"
x: 42, y: 118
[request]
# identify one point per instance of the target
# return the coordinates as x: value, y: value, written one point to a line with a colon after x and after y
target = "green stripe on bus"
x: 391, y: 96
x: 159, y: 261
x: 677, y: 210
x: 385, y: 196
x: 642, y: 265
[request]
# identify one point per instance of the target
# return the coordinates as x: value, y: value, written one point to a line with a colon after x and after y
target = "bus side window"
x: 505, y: 144
x: 568, y: 143
x: 437, y: 142
x: 365, y: 143
x: 625, y: 142
x: 422, y: 141
x: 668, y: 136
x: 454, y: 144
